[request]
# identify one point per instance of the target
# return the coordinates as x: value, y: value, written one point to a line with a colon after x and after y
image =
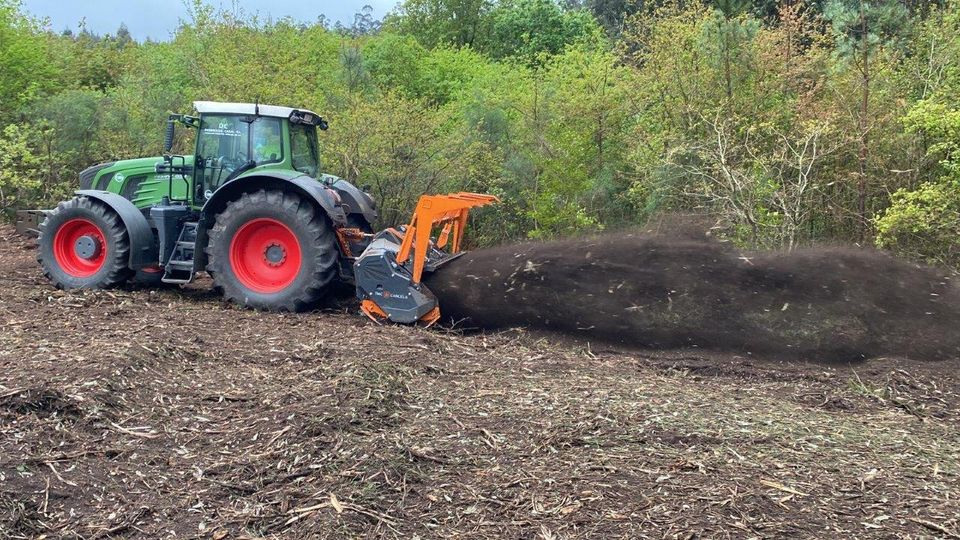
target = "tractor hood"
x: 134, y: 179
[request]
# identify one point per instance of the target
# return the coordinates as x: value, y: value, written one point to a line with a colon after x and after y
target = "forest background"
x: 781, y: 123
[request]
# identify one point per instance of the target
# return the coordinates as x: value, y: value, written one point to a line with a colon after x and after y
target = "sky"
x: 157, y: 19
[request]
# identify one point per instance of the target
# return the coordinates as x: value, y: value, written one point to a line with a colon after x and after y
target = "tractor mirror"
x: 168, y: 137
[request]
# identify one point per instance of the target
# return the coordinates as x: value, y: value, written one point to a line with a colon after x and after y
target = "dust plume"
x: 684, y: 290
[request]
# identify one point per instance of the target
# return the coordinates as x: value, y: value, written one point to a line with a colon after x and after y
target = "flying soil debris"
x: 685, y: 290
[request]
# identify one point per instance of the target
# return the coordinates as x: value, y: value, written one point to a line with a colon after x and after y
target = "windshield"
x: 224, y: 146
x: 223, y: 138
x: 304, y: 150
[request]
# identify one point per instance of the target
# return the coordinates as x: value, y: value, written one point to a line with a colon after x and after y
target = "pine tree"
x: 123, y: 36
x: 861, y: 28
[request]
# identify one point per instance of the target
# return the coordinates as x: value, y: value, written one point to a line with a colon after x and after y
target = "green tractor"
x: 252, y: 209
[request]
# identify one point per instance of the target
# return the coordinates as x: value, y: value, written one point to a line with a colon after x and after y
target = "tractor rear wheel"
x: 272, y: 250
x: 84, y: 244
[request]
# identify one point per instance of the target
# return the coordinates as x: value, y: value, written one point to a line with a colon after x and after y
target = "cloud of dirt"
x: 656, y: 290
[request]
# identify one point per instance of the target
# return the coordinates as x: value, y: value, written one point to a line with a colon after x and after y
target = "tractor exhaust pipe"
x: 168, y: 134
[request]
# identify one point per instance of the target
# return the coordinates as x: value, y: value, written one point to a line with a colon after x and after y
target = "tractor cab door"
x: 228, y: 145
x: 304, y: 150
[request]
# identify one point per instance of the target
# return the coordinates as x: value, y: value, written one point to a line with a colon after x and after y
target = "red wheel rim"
x: 265, y: 255
x: 65, y: 248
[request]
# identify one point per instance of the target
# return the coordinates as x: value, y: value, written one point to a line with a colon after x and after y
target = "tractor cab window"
x: 223, y: 144
x: 267, y: 140
x: 304, y: 150
x: 227, y: 145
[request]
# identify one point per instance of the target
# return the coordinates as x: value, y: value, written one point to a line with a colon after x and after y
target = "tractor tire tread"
x: 118, y: 272
x: 320, y: 234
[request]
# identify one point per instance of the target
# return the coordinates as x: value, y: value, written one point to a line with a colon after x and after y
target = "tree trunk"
x: 727, y: 75
x: 862, y: 126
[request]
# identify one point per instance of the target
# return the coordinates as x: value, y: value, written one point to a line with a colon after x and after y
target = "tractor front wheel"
x: 272, y: 250
x: 84, y: 244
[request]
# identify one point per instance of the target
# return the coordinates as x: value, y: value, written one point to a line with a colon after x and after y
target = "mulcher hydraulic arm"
x: 389, y: 272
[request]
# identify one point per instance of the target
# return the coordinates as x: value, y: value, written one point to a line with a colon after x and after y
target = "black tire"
x: 152, y: 277
x: 115, y: 245
x: 314, y: 235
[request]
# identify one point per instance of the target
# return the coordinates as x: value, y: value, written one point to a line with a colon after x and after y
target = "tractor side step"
x: 180, y: 267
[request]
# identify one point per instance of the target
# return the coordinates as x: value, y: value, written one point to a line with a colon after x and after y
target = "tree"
x: 461, y: 23
x: 727, y: 35
x: 364, y: 23
x: 394, y: 61
x: 123, y: 37
x: 27, y: 69
x: 400, y: 148
x: 753, y: 114
x: 611, y: 14
x: 19, y: 166
x: 527, y: 29
x: 30, y: 174
x: 861, y: 28
x: 924, y: 223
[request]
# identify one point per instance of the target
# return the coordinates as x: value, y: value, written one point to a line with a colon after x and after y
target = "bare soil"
x: 166, y: 413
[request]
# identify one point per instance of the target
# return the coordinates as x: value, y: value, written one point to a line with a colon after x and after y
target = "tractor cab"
x: 236, y: 138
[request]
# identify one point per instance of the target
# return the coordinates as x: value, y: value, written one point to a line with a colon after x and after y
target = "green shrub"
x: 924, y: 224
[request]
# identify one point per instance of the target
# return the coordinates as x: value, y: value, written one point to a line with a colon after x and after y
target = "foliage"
x: 399, y: 148
x: 27, y: 172
x: 459, y: 23
x: 611, y: 14
x: 19, y: 167
x: 26, y: 70
x: 529, y: 28
x: 865, y: 34
x: 924, y: 223
x: 861, y: 27
x: 783, y: 123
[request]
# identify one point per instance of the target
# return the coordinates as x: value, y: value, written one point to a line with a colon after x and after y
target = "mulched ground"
x: 152, y: 414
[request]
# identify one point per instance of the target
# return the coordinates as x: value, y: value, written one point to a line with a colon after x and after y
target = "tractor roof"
x: 215, y: 107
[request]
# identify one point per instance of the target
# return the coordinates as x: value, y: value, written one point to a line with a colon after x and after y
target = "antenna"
x: 256, y: 106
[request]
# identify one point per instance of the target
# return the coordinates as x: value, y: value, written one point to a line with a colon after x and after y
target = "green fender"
x: 143, y: 244
x: 301, y: 184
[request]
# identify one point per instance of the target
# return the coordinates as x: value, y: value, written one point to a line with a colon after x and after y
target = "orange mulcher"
x: 389, y: 271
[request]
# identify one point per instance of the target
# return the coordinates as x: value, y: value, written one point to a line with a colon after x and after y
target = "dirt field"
x: 151, y: 414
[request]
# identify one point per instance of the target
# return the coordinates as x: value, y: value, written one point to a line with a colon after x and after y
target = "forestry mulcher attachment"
x: 250, y: 207
x: 389, y: 271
